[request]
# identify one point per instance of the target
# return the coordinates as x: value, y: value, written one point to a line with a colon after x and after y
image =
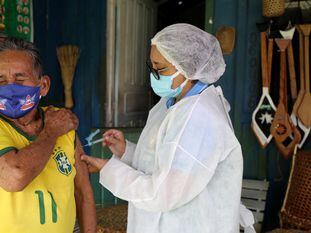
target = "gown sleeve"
x: 127, y: 157
x: 6, y: 142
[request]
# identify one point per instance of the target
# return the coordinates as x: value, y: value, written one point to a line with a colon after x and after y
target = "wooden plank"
x: 257, y: 227
x: 258, y: 216
x: 254, y: 194
x: 254, y: 205
x: 255, y: 184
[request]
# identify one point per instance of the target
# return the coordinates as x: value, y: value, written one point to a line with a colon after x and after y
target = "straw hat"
x: 226, y: 38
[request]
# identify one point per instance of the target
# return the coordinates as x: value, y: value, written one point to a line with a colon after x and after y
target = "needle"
x: 94, y: 142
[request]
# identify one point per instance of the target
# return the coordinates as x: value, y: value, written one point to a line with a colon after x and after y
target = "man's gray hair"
x: 10, y: 43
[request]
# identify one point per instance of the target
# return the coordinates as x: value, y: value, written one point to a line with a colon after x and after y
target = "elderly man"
x: 43, y: 183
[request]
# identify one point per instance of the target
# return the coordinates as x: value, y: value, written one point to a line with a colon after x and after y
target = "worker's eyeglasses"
x: 154, y: 72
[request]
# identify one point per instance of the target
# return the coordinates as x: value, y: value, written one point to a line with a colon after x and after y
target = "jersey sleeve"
x: 6, y: 142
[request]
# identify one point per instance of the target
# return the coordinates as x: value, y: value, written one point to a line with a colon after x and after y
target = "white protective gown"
x: 185, y: 174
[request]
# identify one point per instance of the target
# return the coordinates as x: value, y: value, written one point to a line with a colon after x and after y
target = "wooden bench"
x: 254, y: 194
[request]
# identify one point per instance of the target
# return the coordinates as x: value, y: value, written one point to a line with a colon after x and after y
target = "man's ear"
x: 45, y: 85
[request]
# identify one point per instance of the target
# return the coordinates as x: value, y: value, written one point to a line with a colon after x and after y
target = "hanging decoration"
x: 264, y: 113
x: 16, y: 19
x: 273, y: 8
x: 286, y: 25
x: 226, y: 38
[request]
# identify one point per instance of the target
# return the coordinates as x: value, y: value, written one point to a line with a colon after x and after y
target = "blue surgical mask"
x: 18, y: 100
x: 162, y: 87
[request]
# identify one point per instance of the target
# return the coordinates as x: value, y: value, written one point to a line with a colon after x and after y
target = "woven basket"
x: 112, y: 219
x: 287, y: 231
x: 296, y: 210
x: 273, y: 8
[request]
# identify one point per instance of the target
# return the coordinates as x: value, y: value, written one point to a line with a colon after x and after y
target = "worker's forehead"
x: 156, y: 56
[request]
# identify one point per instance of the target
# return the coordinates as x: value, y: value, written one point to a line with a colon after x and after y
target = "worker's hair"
x: 10, y: 43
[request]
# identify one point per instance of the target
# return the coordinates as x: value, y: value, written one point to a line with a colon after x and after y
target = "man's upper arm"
x: 82, y: 175
x: 83, y: 193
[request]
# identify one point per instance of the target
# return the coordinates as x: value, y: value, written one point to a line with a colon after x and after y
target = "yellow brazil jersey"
x: 47, y: 204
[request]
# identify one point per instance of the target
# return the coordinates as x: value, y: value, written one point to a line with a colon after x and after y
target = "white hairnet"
x: 194, y: 52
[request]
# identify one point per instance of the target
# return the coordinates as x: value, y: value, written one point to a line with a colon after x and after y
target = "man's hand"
x: 59, y: 122
x: 114, y: 139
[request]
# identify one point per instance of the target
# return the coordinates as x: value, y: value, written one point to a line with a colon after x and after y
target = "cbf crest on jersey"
x: 62, y: 161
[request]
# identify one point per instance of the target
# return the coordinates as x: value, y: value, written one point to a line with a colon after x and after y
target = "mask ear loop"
x: 40, y: 96
x: 182, y: 85
x: 184, y: 82
x: 175, y: 75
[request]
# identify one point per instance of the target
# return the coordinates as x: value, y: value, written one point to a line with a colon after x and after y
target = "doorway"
x: 130, y: 26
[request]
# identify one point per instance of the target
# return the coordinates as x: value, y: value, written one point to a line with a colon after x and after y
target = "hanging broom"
x: 68, y: 56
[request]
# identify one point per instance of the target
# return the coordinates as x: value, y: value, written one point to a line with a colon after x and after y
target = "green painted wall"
x: 102, y: 195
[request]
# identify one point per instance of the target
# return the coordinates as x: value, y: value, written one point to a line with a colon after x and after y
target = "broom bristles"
x: 68, y: 56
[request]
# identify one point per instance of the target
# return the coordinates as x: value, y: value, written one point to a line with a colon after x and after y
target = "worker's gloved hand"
x: 93, y: 164
x: 115, y: 140
x: 59, y: 122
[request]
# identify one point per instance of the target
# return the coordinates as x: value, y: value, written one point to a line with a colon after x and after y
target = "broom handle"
x: 67, y: 81
x: 68, y: 98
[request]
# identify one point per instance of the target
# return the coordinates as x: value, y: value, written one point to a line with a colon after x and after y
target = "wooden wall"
x: 82, y: 23
x: 242, y: 86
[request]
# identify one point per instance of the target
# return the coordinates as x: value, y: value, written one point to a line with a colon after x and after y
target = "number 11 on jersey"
x: 42, y: 206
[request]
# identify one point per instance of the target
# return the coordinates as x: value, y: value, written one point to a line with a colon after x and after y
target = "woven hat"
x: 226, y: 38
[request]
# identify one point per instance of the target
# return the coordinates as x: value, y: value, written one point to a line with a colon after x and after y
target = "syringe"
x: 94, y: 142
